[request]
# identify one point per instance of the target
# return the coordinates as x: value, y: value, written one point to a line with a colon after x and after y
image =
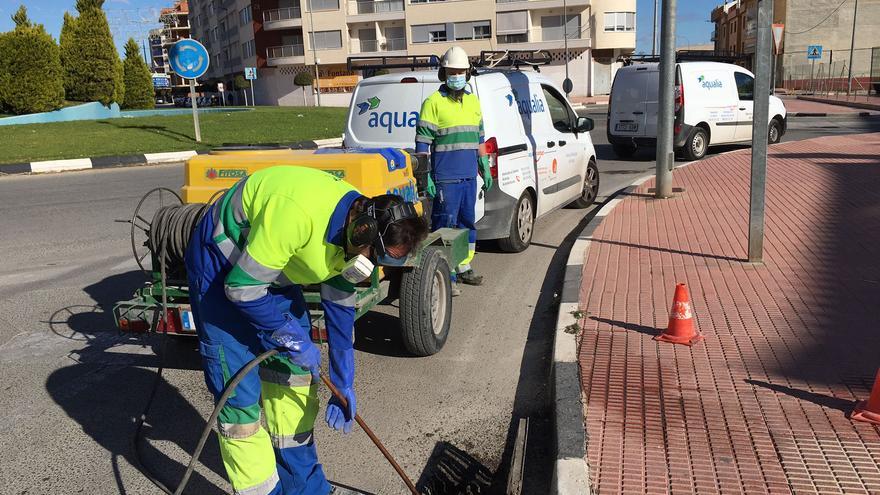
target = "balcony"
x: 378, y: 10
x: 285, y: 55
x: 511, y: 5
x: 389, y: 47
x: 535, y: 42
x: 286, y: 18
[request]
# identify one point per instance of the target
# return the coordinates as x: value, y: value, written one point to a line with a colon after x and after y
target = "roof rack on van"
x: 411, y: 62
x: 690, y: 56
x: 513, y: 58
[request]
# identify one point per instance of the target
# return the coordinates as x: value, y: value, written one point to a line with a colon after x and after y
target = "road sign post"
x: 666, y: 117
x: 250, y: 73
x: 190, y: 60
x: 814, y: 52
x: 778, y: 31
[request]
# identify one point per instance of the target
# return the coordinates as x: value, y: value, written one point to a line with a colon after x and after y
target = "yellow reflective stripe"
x: 470, y: 257
x: 288, y: 379
x: 263, y: 488
x: 289, y: 410
x: 250, y: 463
x: 236, y: 430
x: 291, y: 441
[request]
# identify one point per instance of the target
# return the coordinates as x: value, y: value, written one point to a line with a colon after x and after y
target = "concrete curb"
x: 831, y: 116
x: 131, y: 160
x: 852, y: 104
x: 571, y: 473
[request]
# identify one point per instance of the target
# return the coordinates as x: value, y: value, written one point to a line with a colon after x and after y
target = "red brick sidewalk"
x: 759, y: 406
x: 794, y: 105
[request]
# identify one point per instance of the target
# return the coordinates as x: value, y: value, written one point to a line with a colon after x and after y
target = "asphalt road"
x: 72, y: 385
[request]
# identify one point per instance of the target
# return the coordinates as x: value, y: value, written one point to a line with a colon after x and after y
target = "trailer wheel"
x: 426, y: 304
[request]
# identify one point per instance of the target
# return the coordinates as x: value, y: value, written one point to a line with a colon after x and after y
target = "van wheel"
x: 624, y: 150
x: 774, y: 133
x: 521, y: 226
x: 591, y: 186
x: 426, y: 304
x: 696, y: 145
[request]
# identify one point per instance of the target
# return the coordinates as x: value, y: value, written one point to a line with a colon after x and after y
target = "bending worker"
x: 270, y: 234
x: 451, y: 128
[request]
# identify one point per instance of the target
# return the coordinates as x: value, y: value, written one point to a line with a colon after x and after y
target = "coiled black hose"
x: 173, y: 226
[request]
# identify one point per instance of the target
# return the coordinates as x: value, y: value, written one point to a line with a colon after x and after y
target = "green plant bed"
x: 155, y: 134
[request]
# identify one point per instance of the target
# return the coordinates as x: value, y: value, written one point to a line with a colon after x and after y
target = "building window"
x: 215, y: 34
x: 326, y: 40
x: 248, y: 49
x: 477, y: 30
x: 244, y: 16
x: 552, y: 28
x: 513, y: 38
x: 429, y: 33
x: 316, y: 5
x: 620, y: 21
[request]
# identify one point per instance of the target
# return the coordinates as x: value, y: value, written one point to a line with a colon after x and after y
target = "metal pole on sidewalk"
x: 760, y: 126
x: 852, y: 47
x: 665, y: 121
x: 654, y: 32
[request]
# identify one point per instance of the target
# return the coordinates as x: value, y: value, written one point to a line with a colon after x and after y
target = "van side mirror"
x: 584, y: 124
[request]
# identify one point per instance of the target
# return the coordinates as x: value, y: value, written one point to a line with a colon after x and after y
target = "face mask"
x: 457, y: 82
x: 388, y: 260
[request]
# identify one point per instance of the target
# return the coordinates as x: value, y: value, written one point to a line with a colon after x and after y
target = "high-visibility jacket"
x: 281, y: 226
x: 452, y: 131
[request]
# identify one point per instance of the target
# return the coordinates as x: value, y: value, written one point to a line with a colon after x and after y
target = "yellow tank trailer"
x: 423, y: 285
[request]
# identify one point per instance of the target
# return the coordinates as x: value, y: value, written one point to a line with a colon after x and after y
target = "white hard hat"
x: 455, y: 58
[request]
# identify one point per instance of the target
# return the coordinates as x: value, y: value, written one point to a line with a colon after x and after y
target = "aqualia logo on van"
x: 527, y: 107
x: 387, y: 120
x: 709, y: 84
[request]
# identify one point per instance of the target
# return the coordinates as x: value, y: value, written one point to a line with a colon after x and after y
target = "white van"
x: 713, y: 106
x: 542, y: 154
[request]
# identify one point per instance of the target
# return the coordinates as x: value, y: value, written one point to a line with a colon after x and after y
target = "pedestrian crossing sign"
x: 814, y: 52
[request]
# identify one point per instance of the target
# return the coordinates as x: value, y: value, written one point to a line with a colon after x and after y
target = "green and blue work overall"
x: 265, y: 238
x: 452, y: 130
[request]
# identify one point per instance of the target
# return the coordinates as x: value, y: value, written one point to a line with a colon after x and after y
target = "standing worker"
x: 451, y: 128
x: 270, y: 234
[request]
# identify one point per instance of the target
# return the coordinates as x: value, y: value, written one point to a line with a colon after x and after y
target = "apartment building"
x: 828, y: 23
x: 175, y: 26
x: 284, y: 37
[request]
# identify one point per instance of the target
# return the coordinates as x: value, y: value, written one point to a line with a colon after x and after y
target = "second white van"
x: 713, y: 106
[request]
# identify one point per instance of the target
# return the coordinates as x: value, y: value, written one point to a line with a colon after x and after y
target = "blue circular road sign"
x: 189, y: 59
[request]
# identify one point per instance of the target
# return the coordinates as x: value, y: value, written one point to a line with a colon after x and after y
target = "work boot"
x: 470, y: 278
x: 456, y: 290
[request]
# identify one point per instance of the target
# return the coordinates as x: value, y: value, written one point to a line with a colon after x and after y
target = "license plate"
x: 187, y: 321
x: 627, y: 127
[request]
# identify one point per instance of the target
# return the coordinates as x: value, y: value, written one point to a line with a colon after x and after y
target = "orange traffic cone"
x: 681, y: 320
x: 869, y: 410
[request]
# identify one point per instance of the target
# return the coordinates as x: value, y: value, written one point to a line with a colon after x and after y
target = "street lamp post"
x: 852, y: 47
x: 314, y: 55
x: 654, y: 32
x: 666, y: 110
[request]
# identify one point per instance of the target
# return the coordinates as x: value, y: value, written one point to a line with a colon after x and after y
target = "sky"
x: 136, y: 17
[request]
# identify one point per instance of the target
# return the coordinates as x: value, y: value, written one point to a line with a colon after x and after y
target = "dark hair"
x: 407, y: 233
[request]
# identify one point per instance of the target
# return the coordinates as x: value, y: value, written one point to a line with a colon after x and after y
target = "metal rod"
x: 314, y: 56
x: 373, y: 437
x: 852, y: 47
x: 760, y: 126
x: 666, y: 123
x: 565, y: 36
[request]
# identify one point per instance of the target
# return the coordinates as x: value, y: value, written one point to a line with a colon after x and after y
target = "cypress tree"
x: 92, y: 66
x: 30, y: 68
x: 138, y: 82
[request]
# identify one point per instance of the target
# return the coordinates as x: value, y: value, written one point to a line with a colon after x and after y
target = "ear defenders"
x: 368, y: 227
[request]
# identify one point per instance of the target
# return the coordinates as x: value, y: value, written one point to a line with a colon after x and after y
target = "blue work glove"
x: 297, y: 345
x: 431, y: 189
x: 340, y: 417
x: 485, y: 172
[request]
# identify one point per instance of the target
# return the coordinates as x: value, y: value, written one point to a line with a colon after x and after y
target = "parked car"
x: 713, y: 106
